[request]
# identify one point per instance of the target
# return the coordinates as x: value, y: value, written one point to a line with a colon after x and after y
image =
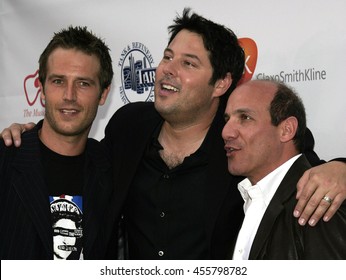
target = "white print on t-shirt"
x: 67, y: 219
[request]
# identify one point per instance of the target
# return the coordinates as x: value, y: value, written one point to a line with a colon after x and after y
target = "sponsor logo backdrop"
x: 300, y: 42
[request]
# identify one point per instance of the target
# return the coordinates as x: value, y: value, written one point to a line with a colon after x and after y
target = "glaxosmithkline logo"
x: 137, y: 73
x: 250, y: 49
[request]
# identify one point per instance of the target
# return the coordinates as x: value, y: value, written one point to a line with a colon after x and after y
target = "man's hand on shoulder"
x: 321, y: 191
x: 12, y: 134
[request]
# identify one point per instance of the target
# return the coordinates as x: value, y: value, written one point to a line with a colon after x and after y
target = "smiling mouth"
x: 169, y: 88
x: 230, y: 150
x: 68, y: 111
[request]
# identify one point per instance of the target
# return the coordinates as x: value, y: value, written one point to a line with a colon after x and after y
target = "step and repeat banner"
x: 302, y: 43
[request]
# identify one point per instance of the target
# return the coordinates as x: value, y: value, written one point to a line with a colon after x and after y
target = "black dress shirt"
x: 166, y: 211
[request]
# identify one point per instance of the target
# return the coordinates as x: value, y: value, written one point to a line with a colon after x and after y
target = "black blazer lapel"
x: 223, y: 202
x: 31, y: 188
x: 285, y: 190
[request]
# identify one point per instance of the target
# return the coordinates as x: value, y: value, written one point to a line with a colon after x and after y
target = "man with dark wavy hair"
x: 168, y: 156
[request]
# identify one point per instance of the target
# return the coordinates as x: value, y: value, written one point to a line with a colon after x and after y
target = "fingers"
x: 304, y: 192
x: 334, y: 206
x: 27, y: 126
x: 6, y: 136
x: 16, y: 132
x: 310, y: 206
x: 12, y: 134
x: 327, y: 180
x: 300, y: 186
x: 324, y: 209
x: 315, y: 210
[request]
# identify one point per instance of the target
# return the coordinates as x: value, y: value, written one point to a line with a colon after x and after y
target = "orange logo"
x: 250, y: 49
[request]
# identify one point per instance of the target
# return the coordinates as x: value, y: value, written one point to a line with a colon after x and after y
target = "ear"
x: 288, y: 129
x: 222, y: 85
x: 42, y: 95
x: 104, y: 96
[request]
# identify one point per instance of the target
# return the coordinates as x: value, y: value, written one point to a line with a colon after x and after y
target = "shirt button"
x: 166, y: 176
x: 161, y: 253
x: 162, y: 214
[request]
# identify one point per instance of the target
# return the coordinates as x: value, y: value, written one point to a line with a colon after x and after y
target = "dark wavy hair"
x: 225, y: 53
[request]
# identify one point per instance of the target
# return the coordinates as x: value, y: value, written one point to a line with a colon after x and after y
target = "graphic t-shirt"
x: 65, y: 179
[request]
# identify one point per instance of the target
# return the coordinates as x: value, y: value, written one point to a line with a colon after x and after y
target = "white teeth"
x: 168, y: 87
x: 68, y: 111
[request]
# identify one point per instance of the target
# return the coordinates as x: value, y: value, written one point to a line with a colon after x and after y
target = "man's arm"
x: 325, y: 180
x: 328, y: 179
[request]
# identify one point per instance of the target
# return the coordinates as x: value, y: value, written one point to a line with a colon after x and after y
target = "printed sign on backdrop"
x: 137, y: 73
x: 251, y: 53
x: 32, y: 93
x: 284, y: 44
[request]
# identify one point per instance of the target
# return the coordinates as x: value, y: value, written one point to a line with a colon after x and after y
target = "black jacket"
x: 279, y: 235
x: 25, y: 221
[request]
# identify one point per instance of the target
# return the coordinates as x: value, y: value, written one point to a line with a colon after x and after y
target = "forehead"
x: 258, y: 94
x: 189, y: 40
x: 64, y: 58
x: 73, y: 64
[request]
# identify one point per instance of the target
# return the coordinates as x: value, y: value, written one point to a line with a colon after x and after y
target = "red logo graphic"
x: 251, y: 53
x: 32, y: 89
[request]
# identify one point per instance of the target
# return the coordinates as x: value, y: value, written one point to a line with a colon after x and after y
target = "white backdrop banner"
x: 302, y: 43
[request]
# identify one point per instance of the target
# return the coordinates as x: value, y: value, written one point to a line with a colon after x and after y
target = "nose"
x: 229, y: 131
x: 169, y: 67
x: 70, y: 93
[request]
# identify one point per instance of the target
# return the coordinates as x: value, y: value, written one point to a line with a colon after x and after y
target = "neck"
x: 185, y: 131
x: 63, y: 145
x: 182, y: 137
x: 180, y: 142
x: 271, y: 166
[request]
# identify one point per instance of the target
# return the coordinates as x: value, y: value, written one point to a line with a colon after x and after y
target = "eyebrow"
x: 243, y: 110
x: 193, y: 56
x: 239, y: 112
x: 90, y: 80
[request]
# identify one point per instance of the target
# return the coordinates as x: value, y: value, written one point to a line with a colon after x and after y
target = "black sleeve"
x: 309, y: 152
